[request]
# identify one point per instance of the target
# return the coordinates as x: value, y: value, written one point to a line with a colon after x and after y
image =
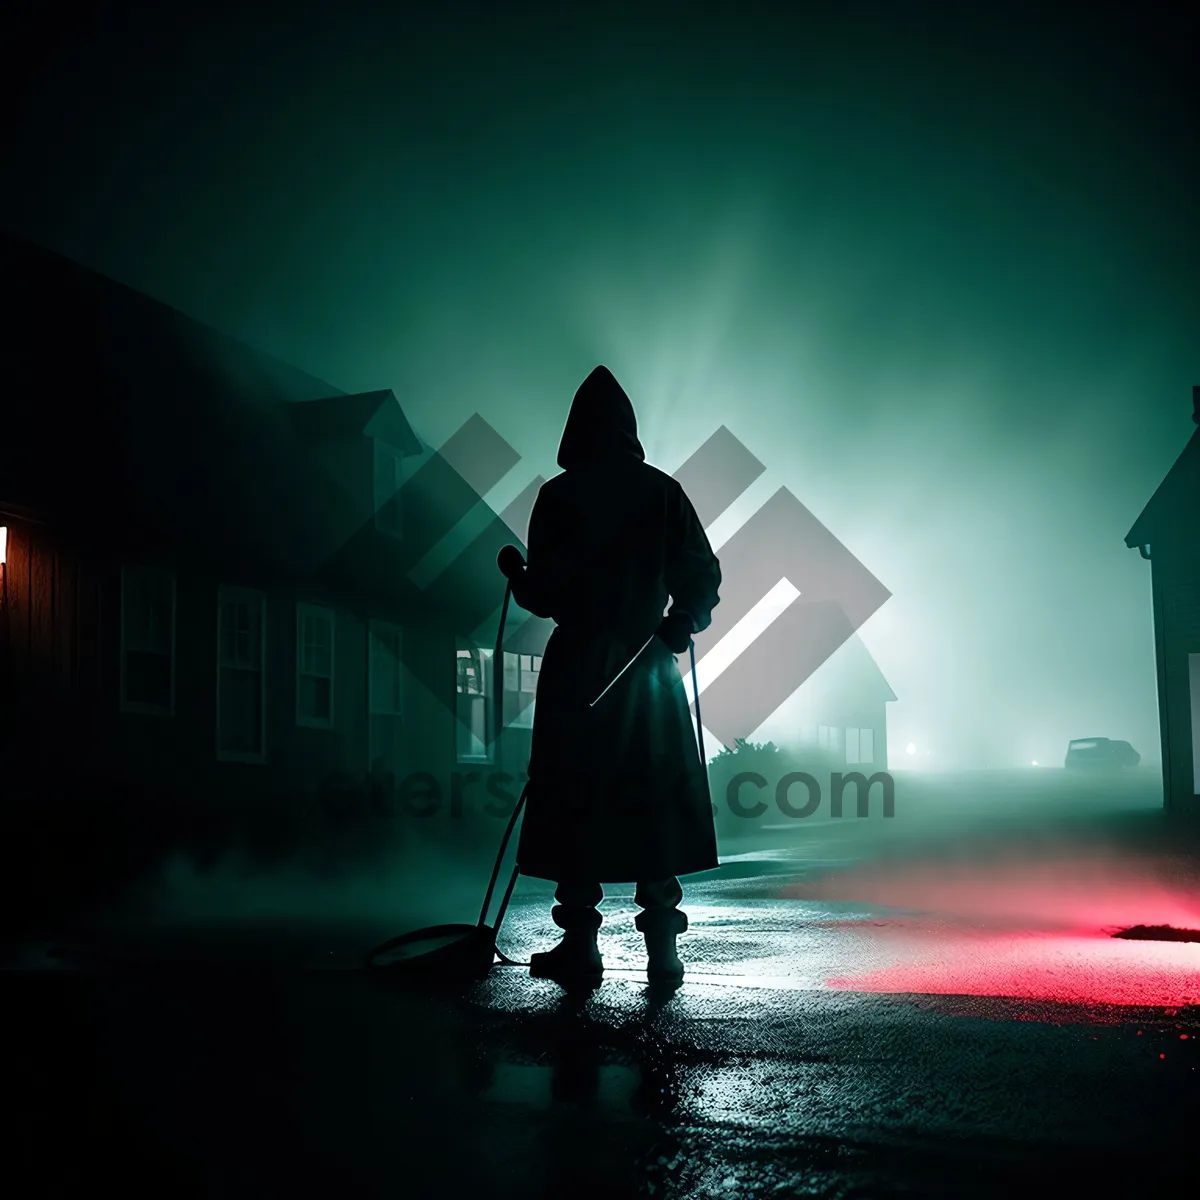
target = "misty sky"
x: 937, y: 270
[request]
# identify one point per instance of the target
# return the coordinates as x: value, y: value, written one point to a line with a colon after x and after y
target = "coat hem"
x: 549, y: 875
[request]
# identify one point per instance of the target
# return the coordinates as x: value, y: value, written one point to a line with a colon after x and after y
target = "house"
x: 209, y: 624
x: 842, y: 708
x: 442, y: 569
x: 1167, y: 534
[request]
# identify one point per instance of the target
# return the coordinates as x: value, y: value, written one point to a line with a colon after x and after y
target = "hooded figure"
x: 618, y: 791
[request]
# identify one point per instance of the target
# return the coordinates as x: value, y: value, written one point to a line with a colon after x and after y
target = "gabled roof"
x: 1173, y: 512
x: 146, y: 425
x: 369, y: 414
x: 847, y: 685
x: 851, y: 670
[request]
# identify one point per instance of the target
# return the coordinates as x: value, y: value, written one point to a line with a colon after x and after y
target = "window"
x: 147, y: 641
x: 473, y: 687
x: 827, y: 737
x: 520, y: 685
x: 852, y: 746
x: 389, y: 476
x: 860, y: 745
x: 314, y: 666
x: 241, y: 674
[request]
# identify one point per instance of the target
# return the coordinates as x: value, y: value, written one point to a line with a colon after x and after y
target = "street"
x: 852, y: 1024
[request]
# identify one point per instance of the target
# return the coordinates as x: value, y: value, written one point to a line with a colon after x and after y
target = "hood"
x: 601, y: 423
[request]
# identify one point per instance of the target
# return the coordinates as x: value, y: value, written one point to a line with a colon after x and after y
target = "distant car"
x: 1100, y: 754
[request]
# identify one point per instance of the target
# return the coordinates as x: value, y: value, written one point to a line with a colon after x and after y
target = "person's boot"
x: 664, y: 965
x: 575, y: 960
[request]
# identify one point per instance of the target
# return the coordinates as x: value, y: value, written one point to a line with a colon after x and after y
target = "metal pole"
x: 498, y: 679
x: 699, y: 723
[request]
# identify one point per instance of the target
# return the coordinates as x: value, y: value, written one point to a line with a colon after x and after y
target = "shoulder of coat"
x: 668, y: 481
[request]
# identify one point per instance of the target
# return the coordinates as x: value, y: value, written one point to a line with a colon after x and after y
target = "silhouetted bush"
x: 770, y: 763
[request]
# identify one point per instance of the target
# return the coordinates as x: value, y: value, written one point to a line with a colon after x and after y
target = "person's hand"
x: 510, y: 561
x: 676, y: 631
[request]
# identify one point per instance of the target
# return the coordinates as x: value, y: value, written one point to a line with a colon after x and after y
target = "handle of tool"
x: 699, y: 723
x: 498, y: 674
x: 487, y: 899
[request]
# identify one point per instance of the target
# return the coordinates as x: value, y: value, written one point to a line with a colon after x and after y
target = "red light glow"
x: 1038, y: 930
x: 1068, y: 967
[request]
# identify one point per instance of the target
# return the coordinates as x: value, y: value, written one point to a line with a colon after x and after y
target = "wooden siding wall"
x: 60, y: 685
x: 41, y: 595
x: 129, y: 773
x: 1176, y: 587
x: 62, y: 637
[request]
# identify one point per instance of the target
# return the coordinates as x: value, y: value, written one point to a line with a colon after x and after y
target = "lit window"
x: 866, y: 745
x: 852, y: 746
x: 474, y: 691
x: 520, y: 686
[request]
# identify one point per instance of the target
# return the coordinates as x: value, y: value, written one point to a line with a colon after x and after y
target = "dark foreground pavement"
x: 958, y: 1025
x: 236, y: 1083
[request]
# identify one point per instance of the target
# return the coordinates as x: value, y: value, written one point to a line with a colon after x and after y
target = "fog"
x: 936, y: 273
x: 990, y: 848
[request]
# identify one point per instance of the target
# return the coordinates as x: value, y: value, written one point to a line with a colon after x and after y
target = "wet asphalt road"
x: 230, y: 1084
x: 1033, y: 1053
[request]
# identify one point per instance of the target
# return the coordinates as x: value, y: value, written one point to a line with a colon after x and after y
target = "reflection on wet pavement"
x: 895, y: 1029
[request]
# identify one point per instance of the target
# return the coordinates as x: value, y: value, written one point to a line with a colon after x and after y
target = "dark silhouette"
x: 1167, y: 534
x: 617, y: 788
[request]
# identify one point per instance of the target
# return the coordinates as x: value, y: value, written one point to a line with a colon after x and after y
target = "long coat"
x: 618, y: 791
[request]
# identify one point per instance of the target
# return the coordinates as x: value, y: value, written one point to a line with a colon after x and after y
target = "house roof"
x: 1173, y: 512
x: 847, y: 688
x: 21, y: 512
x: 851, y: 670
x: 156, y: 427
x: 368, y: 414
